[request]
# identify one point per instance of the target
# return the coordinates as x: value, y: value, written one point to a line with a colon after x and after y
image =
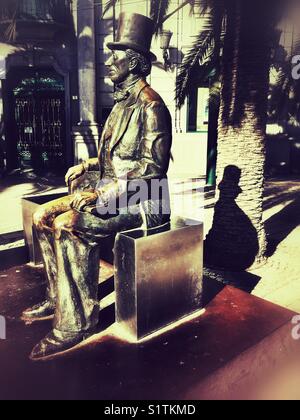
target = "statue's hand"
x: 84, y: 199
x: 74, y: 173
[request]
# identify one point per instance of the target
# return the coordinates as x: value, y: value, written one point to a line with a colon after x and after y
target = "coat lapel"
x: 128, y: 109
x: 121, y: 126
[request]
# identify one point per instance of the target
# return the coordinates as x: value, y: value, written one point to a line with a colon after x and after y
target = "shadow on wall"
x: 88, y: 137
x: 233, y: 248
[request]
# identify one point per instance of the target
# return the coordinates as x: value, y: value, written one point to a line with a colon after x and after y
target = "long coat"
x: 136, y: 145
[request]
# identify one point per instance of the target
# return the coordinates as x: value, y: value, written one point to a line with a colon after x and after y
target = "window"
x: 198, y: 110
x: 38, y: 9
x: 43, y: 10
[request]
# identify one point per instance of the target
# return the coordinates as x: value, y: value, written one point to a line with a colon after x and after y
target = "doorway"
x: 36, y: 120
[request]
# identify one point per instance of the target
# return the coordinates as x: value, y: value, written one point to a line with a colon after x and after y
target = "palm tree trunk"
x: 237, y: 239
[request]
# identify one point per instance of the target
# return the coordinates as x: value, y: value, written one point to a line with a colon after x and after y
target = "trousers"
x: 71, y: 247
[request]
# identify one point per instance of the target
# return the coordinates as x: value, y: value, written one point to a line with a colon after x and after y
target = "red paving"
x: 172, y: 366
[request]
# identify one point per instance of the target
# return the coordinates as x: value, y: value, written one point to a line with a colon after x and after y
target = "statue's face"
x: 118, y: 66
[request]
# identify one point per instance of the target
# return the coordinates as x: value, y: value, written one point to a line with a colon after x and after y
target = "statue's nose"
x: 109, y: 62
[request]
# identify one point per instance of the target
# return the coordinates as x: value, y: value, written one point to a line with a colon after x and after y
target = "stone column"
x: 86, y: 133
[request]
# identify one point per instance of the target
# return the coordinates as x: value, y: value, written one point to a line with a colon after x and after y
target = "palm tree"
x: 237, y: 239
x: 237, y: 42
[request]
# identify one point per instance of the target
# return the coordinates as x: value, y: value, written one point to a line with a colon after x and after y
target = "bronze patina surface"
x: 135, y: 146
x: 180, y: 364
x: 158, y: 276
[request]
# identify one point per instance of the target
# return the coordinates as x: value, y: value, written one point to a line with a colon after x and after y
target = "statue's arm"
x: 91, y: 165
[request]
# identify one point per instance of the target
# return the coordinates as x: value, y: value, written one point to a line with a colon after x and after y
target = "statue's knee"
x: 61, y: 224
x: 40, y: 219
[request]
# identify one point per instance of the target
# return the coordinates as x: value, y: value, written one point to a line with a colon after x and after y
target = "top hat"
x: 134, y: 32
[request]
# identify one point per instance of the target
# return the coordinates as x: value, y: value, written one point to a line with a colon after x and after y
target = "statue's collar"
x: 131, y: 93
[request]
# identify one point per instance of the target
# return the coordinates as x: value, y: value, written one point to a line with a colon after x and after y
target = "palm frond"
x: 197, y: 59
x: 204, y: 55
x: 284, y: 103
x: 215, y: 93
x: 203, y: 5
x: 109, y: 5
x: 285, y: 93
x: 8, y: 12
x: 158, y: 12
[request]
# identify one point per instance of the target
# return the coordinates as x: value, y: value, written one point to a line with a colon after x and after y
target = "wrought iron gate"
x: 39, y: 112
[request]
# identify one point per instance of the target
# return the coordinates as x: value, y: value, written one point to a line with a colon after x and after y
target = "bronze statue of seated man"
x: 135, y: 145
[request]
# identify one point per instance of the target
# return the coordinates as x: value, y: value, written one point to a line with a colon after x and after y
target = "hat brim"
x: 127, y: 45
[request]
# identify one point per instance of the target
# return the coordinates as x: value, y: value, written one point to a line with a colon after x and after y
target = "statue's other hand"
x: 74, y: 173
x: 84, y: 199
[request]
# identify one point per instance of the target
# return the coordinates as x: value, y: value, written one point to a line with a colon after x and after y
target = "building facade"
x: 55, y: 95
x: 38, y: 71
x: 190, y: 124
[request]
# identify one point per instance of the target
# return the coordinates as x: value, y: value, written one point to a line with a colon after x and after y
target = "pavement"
x: 229, y: 352
x: 280, y: 277
x: 226, y: 352
x: 13, y: 188
x: 277, y: 281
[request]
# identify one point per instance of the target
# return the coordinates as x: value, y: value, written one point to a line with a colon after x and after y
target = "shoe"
x: 52, y: 346
x: 40, y: 312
